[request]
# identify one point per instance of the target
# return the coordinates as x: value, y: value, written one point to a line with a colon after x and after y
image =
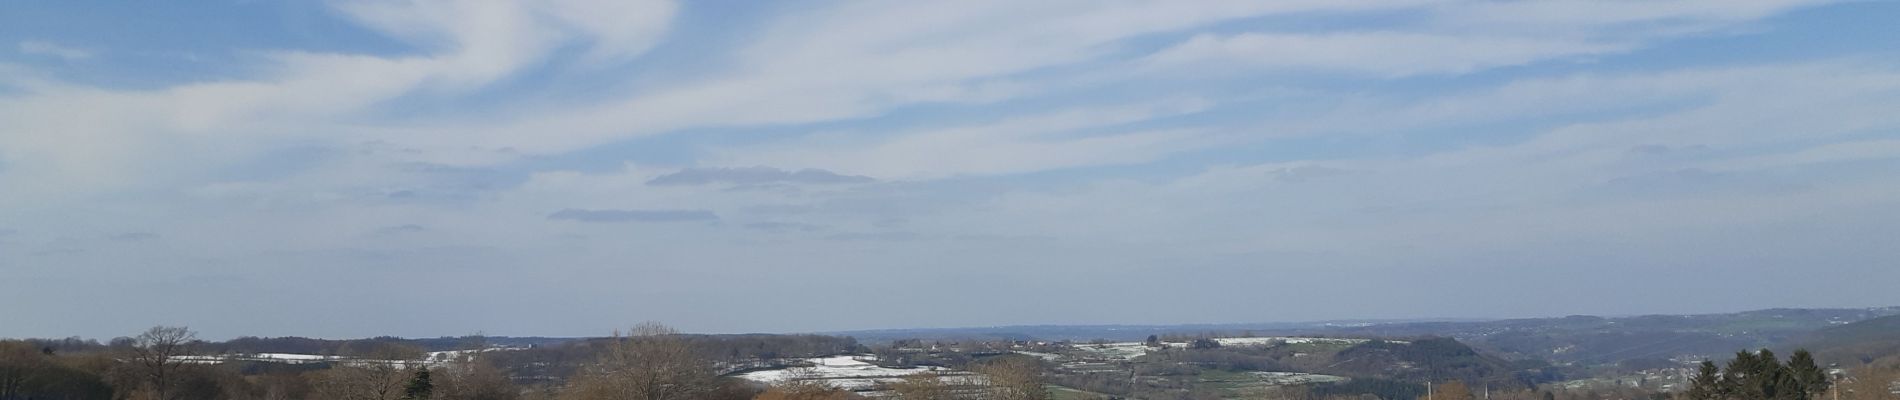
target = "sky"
x: 568, y: 167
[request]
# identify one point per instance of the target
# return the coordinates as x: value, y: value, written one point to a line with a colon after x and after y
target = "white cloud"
x: 1751, y: 124
x: 1463, y: 37
x: 483, y: 41
x: 43, y: 48
x: 1054, y: 140
x: 1622, y: 16
x: 63, y: 138
x: 851, y: 61
x: 1849, y: 151
x: 1748, y: 107
x: 859, y: 59
x: 1391, y: 54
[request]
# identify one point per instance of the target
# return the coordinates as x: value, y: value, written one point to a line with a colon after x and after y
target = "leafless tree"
x: 283, y: 386
x: 923, y: 386
x: 1872, y: 382
x: 653, y: 363
x: 345, y: 382
x: 474, y: 378
x: 1015, y: 378
x: 18, y: 362
x: 157, y: 356
x: 378, y: 374
x: 1454, y: 390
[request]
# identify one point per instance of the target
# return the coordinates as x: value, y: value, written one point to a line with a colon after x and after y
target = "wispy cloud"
x: 583, y: 215
x: 1026, y: 143
x: 781, y: 227
x: 1387, y: 54
x: 897, y: 236
x: 133, y: 236
x: 400, y: 229
x: 43, y: 48
x: 753, y: 176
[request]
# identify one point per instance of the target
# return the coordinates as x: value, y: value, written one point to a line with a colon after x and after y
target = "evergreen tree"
x: 1765, y: 378
x: 420, y: 388
x: 1786, y: 386
x: 1738, y: 376
x: 1801, y: 365
x: 1707, y: 383
x: 1759, y: 376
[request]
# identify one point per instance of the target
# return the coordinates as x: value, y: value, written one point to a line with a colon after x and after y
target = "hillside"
x: 1855, y: 343
x: 1581, y: 340
x: 1593, y: 340
x: 1431, y: 359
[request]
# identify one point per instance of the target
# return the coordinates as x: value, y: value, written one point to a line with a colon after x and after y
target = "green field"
x: 1067, y: 393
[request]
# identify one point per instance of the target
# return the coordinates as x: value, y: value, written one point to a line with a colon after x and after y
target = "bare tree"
x: 1454, y: 390
x: 1015, y: 378
x: 283, y: 386
x: 157, y: 356
x: 475, y: 378
x: 805, y: 392
x: 654, y: 363
x: 382, y: 373
x: 347, y: 382
x: 1872, y: 382
x: 19, y: 361
x: 923, y: 386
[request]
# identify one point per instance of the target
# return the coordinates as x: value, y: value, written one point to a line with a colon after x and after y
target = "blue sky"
x: 422, y: 168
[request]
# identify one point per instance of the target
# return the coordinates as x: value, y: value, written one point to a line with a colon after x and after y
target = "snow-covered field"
x: 1130, y: 350
x: 849, y: 372
x: 1295, y: 378
x: 431, y: 358
x: 1044, y: 356
x: 1262, y: 341
x: 1113, y: 351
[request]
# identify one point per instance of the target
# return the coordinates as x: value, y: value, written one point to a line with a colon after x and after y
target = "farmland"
x: 856, y: 373
x: 867, y: 374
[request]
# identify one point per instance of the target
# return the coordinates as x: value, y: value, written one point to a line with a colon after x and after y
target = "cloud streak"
x: 41, y: 48
x: 610, y: 216
x: 753, y: 176
x: 1385, y: 54
x: 133, y: 237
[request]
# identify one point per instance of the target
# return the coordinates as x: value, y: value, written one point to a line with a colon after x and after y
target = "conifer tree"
x: 1707, y: 384
x: 420, y: 388
x: 1801, y: 365
x: 1760, y: 376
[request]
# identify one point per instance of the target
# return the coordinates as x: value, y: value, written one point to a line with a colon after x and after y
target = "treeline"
x: 328, y: 347
x: 768, y: 347
x: 32, y: 371
x: 1364, y: 387
x: 289, y: 344
x: 169, y: 363
x: 166, y: 363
